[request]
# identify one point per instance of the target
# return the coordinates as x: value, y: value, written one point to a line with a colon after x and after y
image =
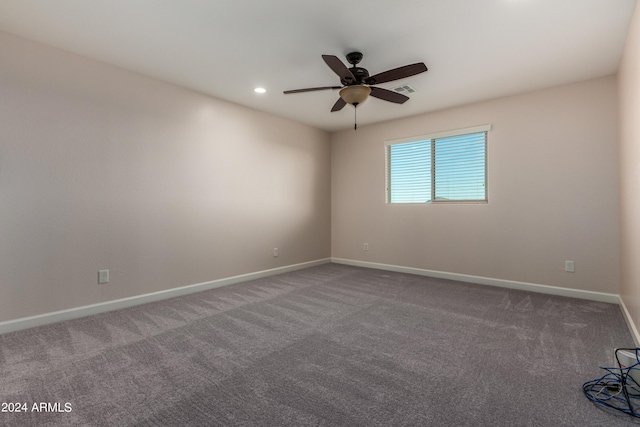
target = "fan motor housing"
x: 359, y: 73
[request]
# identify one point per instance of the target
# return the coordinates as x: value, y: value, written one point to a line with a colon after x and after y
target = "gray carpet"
x: 329, y: 345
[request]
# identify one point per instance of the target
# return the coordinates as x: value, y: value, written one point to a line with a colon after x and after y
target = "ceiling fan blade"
x: 338, y: 67
x: 309, y: 89
x: 397, y: 73
x: 339, y: 105
x: 388, y: 95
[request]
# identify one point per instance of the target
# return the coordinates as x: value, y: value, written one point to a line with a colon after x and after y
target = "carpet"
x: 332, y: 345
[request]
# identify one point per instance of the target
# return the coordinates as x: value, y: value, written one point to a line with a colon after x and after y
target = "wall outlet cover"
x: 103, y: 276
x: 569, y: 266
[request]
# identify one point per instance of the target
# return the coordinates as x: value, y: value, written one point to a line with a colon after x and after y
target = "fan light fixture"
x: 357, y: 84
x: 355, y: 94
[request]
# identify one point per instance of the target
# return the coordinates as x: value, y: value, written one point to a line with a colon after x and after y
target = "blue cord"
x: 617, y: 389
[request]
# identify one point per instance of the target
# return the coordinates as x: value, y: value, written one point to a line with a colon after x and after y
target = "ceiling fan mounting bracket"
x: 354, y: 58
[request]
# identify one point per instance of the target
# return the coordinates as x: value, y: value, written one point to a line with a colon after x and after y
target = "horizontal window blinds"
x: 449, y: 167
x: 410, y: 172
x: 460, y: 167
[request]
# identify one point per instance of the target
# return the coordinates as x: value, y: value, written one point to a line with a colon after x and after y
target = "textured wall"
x: 101, y: 168
x: 629, y: 95
x: 552, y: 188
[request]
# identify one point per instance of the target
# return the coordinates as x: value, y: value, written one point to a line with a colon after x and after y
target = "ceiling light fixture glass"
x: 355, y: 94
x: 259, y: 90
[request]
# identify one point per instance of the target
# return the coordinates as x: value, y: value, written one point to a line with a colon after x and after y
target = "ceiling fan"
x: 357, y: 85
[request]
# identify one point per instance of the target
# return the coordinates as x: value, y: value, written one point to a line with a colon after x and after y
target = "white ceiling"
x: 475, y: 49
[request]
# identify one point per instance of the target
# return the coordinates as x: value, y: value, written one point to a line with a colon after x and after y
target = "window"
x: 443, y: 167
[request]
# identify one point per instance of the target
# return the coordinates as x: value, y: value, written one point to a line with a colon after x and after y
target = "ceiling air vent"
x: 404, y: 89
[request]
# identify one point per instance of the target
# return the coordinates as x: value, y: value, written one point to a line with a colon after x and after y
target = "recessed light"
x: 260, y: 90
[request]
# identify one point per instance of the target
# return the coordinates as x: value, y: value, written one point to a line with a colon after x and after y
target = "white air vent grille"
x: 404, y: 89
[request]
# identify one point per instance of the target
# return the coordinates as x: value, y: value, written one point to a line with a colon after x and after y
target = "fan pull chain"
x: 355, y: 117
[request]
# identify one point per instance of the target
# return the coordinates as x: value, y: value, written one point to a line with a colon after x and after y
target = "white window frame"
x: 432, y: 137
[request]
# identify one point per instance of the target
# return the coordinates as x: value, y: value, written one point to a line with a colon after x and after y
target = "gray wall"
x: 101, y: 168
x: 629, y: 95
x: 552, y: 190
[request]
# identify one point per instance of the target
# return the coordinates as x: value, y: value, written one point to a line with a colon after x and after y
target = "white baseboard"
x: 47, y: 318
x: 630, y: 324
x: 88, y: 310
x: 511, y: 284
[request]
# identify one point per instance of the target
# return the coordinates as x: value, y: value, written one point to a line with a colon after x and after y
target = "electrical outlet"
x: 365, y: 247
x: 569, y: 267
x: 275, y: 252
x: 103, y: 276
